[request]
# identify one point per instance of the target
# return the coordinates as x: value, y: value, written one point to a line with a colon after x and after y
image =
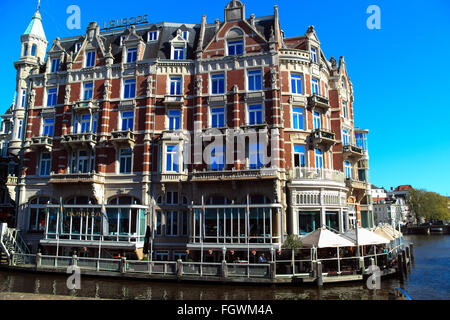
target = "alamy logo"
x: 74, y: 20
x: 74, y: 281
x: 374, y: 281
x: 374, y: 21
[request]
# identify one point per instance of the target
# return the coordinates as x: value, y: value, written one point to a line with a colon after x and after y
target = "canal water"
x: 429, y: 280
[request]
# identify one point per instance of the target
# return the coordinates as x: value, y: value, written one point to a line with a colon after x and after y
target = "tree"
x: 428, y: 205
x: 294, y: 243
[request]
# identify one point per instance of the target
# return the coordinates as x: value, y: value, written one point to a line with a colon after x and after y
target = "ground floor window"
x: 37, y: 220
x: 308, y: 221
x: 162, y: 255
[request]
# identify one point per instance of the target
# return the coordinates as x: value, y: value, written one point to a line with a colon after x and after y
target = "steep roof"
x: 35, y: 27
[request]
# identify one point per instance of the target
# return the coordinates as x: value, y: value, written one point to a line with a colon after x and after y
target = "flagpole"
x: 58, y: 226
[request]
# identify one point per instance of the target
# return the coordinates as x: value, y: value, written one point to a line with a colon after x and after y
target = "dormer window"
x: 186, y: 35
x: 152, y: 36
x: 131, y: 55
x: 90, y: 59
x: 54, y: 65
x: 178, y: 53
x: 235, y: 42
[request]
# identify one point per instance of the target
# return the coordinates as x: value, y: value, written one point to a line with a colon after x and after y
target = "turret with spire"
x: 34, y: 42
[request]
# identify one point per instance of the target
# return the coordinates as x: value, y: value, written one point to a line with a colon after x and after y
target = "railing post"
x: 74, y: 260
x: 11, y: 258
x: 224, y: 269
x: 273, y: 271
x: 38, y: 260
x: 361, y: 265
x: 319, y: 274
x: 123, y: 265
x: 179, y: 268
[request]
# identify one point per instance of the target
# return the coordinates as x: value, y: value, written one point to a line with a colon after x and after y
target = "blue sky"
x: 399, y: 73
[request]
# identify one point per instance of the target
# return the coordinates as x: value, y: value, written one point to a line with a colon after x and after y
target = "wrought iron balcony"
x: 352, y: 152
x: 45, y: 142
x: 323, y: 138
x: 78, y: 140
x: 120, y: 138
x: 263, y: 173
x: 316, y: 101
x: 304, y: 173
x: 174, y: 100
x: 62, y: 178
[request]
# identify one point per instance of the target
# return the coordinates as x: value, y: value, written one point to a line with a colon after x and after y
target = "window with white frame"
x: 171, y: 223
x: 172, y: 163
x: 235, y: 47
x: 217, y: 117
x: 25, y: 50
x: 254, y: 80
x: 77, y: 47
x: 348, y: 169
x: 255, y: 114
x: 51, y: 97
x: 315, y: 86
x: 88, y: 90
x: 127, y: 120
x: 131, y: 55
x: 125, y: 158
x: 345, y: 109
x: 299, y: 156
x: 345, y: 137
x: 85, y: 123
x: 82, y: 161
x: 218, y: 83
x: 319, y: 159
x: 54, y: 65
x: 174, y: 117
x: 94, y: 123
x: 175, y: 85
x: 152, y: 36
x: 33, y: 50
x: 313, y: 54
x: 185, y: 35
x: 90, y: 59
x: 48, y: 125
x: 129, y: 88
x: 297, y: 118
x: 316, y: 120
x: 23, y: 98
x: 296, y: 83
x: 20, y: 129
x: 45, y: 164
x: 178, y: 53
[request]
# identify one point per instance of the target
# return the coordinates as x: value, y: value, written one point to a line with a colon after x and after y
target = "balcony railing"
x: 84, y: 105
x: 323, y: 137
x: 354, y: 152
x: 170, y: 177
x: 123, y: 137
x: 172, y: 99
x: 319, y: 101
x: 263, y: 173
x: 304, y: 173
x: 91, y: 177
x: 79, y: 139
x: 42, y: 142
x: 355, y: 184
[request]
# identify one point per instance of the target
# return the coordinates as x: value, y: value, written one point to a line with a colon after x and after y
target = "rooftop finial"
x: 39, y: 5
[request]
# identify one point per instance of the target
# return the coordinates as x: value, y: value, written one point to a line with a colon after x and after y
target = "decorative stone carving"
x: 199, y: 85
x: 235, y: 89
x: 149, y: 86
x: 67, y: 95
x: 273, y: 78
x: 107, y: 91
x: 32, y: 98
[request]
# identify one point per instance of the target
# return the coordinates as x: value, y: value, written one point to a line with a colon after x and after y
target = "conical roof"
x: 35, y: 27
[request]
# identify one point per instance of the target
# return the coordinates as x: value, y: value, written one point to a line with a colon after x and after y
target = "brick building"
x: 219, y: 136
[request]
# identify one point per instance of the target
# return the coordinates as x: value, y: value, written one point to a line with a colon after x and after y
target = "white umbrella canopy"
x: 324, y: 238
x: 383, y: 233
x: 366, y: 237
x: 393, y: 232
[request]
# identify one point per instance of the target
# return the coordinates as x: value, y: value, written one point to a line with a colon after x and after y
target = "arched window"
x: 81, y: 200
x: 235, y: 42
x: 124, y: 200
x: 33, y: 50
x: 218, y: 200
x: 25, y: 50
